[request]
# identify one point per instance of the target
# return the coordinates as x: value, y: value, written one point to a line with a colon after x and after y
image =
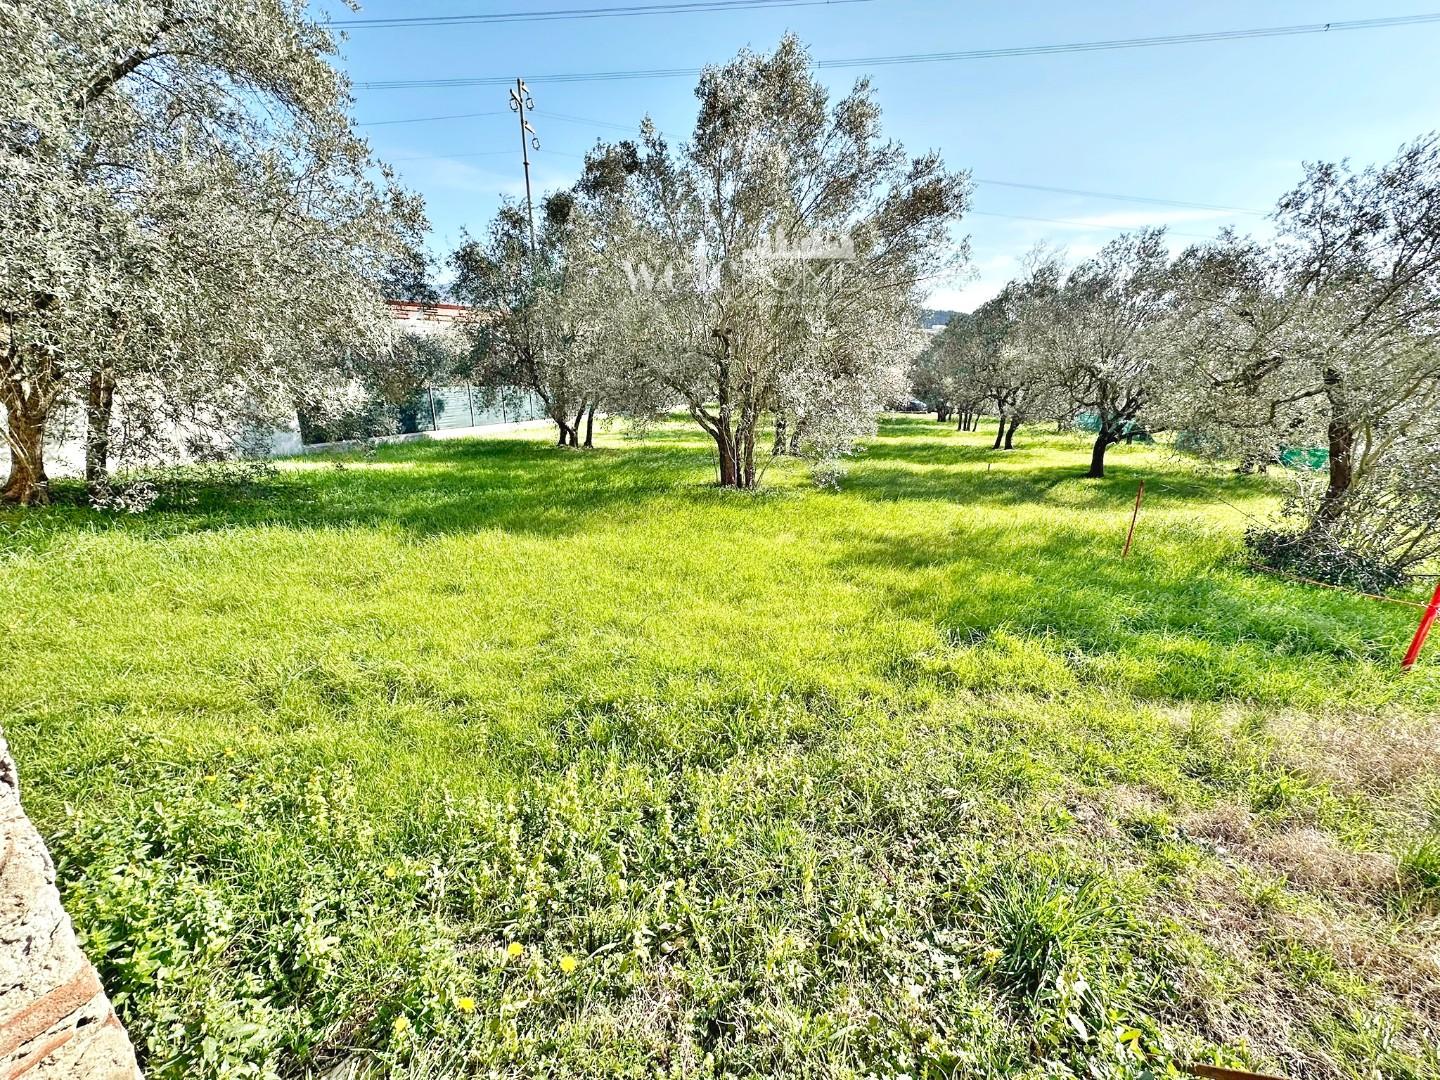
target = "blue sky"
x: 1224, y: 123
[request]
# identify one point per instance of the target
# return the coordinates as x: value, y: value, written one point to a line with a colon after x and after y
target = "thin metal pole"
x: 1135, y: 514
x: 1423, y: 631
x: 521, y: 102
x: 470, y: 397
x: 434, y: 423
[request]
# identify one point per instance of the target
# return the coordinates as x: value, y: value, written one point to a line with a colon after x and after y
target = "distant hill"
x: 934, y: 320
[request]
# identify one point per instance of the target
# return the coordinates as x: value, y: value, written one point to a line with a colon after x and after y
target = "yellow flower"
x: 514, y: 949
x: 992, y: 955
x: 401, y: 1025
x: 390, y: 872
x: 465, y: 1004
x: 210, y: 778
x: 568, y: 964
x: 241, y: 803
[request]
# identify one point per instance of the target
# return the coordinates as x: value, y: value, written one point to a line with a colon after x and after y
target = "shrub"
x: 1317, y: 553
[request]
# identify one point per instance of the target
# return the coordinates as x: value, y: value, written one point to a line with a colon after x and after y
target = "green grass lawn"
x: 484, y: 756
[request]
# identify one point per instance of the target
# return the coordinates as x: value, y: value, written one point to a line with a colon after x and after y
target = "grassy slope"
x: 914, y: 777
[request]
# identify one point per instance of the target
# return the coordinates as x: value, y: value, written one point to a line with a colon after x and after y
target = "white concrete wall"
x: 65, y: 456
x: 487, y: 430
x: 65, y: 447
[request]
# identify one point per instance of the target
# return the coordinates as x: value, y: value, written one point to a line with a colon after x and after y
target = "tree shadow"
x: 1176, y: 620
x: 963, y: 467
x: 422, y: 488
x: 1152, y: 625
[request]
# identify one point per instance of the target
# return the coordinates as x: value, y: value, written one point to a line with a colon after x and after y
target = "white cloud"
x: 965, y: 298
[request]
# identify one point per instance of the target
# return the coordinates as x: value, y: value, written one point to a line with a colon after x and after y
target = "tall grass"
x: 485, y: 756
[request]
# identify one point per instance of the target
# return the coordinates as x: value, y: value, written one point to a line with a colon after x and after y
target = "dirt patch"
x: 1311, y: 858
x: 1359, y: 753
x: 1240, y: 988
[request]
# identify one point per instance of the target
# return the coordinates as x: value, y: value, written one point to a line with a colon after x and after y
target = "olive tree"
x: 1110, y: 331
x: 552, y: 318
x: 777, y: 256
x: 931, y: 375
x: 945, y: 374
x: 1012, y: 362
x: 192, y: 231
x: 1330, y: 335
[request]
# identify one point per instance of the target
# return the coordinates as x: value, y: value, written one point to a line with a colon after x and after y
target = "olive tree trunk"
x: 999, y: 433
x: 25, y: 435
x: 1340, y: 435
x: 99, y: 410
x: 736, y: 448
x: 1103, y: 441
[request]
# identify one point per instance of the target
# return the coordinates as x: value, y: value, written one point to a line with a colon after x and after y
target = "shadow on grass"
x: 1179, y: 619
x: 963, y: 472
x: 425, y: 488
x: 1168, y: 621
x: 1153, y: 625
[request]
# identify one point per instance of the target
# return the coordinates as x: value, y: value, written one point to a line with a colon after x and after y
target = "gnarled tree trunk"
x: 1103, y: 441
x: 729, y: 470
x: 25, y: 435
x: 575, y: 427
x: 1340, y: 436
x: 736, y: 448
x: 999, y: 433
x: 99, y: 408
x: 1010, y: 433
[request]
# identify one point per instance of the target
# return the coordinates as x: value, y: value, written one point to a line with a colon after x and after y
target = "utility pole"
x: 520, y: 103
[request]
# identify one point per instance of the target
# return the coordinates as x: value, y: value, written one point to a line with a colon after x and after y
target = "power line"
x: 426, y: 119
x: 1147, y: 42
x: 946, y: 57
x: 447, y: 157
x: 1079, y: 224
x: 570, y: 118
x: 1121, y: 198
x: 477, y: 154
x: 562, y: 14
x: 983, y: 213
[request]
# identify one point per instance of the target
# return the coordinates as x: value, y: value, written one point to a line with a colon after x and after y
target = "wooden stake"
x: 1130, y: 536
x: 1216, y: 1072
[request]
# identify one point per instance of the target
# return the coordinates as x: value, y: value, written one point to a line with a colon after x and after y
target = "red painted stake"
x: 1139, y: 494
x: 1426, y: 621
